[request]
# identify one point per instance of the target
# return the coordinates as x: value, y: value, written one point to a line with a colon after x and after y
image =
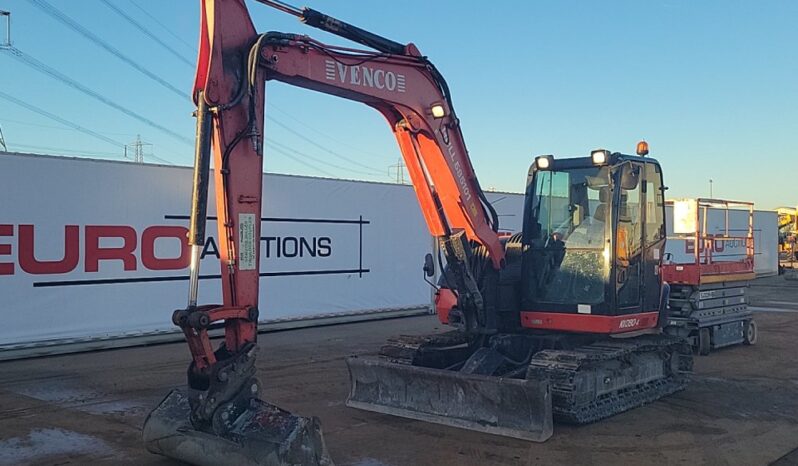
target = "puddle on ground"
x: 43, y: 443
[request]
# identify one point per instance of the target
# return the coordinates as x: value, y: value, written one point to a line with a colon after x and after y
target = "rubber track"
x: 403, y: 349
x: 562, y: 366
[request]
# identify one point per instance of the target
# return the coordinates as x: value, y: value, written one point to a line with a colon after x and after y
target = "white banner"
x: 94, y: 249
x: 766, y: 260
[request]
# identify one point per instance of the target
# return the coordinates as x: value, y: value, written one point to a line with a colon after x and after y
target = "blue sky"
x: 712, y: 85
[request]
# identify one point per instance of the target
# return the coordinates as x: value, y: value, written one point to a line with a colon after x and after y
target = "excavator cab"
x: 593, y: 240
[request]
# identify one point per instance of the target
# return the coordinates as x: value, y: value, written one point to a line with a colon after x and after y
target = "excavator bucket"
x: 502, y: 406
x: 263, y: 435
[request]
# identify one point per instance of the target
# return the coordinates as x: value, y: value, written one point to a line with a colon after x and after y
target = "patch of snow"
x: 42, y: 443
x: 369, y: 462
x: 88, y: 401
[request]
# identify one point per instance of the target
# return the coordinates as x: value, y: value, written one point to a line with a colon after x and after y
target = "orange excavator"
x: 561, y: 321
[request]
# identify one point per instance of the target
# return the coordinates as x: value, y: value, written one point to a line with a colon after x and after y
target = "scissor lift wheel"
x: 751, y: 333
x: 704, y: 341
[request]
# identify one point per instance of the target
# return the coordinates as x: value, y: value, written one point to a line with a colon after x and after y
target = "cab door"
x: 629, y: 221
x: 653, y: 235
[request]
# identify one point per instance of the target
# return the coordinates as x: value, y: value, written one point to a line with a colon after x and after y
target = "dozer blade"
x: 264, y: 435
x: 502, y: 406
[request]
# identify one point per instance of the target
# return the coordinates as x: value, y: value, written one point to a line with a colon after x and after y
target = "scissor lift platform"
x: 708, y: 302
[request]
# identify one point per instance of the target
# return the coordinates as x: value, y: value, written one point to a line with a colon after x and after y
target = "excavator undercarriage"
x: 517, y: 385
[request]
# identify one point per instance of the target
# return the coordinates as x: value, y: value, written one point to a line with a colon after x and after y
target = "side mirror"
x: 577, y: 213
x: 429, y: 265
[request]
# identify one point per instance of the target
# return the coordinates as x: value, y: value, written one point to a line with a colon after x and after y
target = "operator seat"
x: 600, y: 214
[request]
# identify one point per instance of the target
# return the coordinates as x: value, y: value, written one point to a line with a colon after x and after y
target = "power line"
x: 6, y: 120
x: 164, y: 161
x: 276, y: 144
x: 284, y: 147
x: 69, y: 22
x: 325, y: 149
x: 147, y: 32
x: 92, y: 153
x: 27, y: 123
x: 63, y: 18
x: 320, y: 133
x: 182, y: 58
x: 39, y: 66
x: 61, y: 150
x: 307, y: 164
x: 57, y: 14
x: 64, y: 122
x: 165, y: 27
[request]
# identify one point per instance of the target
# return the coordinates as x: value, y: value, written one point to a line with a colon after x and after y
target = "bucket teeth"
x: 503, y: 406
x: 264, y: 435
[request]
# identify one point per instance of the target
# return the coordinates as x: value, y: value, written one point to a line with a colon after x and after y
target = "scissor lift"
x: 707, y: 301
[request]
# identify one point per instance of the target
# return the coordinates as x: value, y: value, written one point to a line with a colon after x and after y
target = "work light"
x: 543, y: 162
x: 600, y: 156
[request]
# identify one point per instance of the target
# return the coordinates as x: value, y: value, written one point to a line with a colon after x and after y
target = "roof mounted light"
x: 642, y: 148
x: 438, y: 111
x: 600, y: 156
x: 543, y: 162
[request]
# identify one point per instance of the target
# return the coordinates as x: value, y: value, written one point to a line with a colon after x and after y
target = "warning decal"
x: 247, y: 247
